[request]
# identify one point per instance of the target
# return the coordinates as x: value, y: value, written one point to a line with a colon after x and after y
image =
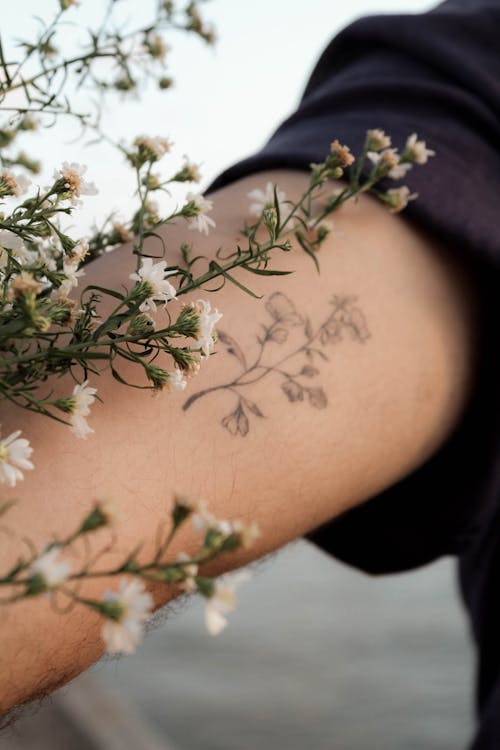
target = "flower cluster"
x: 125, y: 611
x: 388, y: 162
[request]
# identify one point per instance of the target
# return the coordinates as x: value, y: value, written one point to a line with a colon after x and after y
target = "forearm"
x: 389, y: 388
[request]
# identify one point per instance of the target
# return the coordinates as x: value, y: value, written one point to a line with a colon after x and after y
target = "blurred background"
x: 317, y: 655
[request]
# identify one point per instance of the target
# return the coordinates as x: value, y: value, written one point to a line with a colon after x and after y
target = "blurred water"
x: 317, y: 656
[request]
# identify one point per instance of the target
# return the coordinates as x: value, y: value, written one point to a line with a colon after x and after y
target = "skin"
x: 392, y: 399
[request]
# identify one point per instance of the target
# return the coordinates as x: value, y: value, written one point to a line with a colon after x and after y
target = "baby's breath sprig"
x: 124, y: 612
x: 45, y: 331
x: 113, y: 58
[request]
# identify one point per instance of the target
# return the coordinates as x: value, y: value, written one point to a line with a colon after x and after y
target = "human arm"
x: 393, y: 399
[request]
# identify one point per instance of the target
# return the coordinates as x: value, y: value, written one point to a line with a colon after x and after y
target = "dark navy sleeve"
x: 436, y: 74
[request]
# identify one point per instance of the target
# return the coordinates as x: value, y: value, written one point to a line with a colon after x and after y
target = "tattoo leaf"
x: 236, y: 422
x: 232, y: 347
x: 317, y: 397
x: 283, y: 310
x: 293, y: 390
x: 308, y: 329
x: 309, y: 371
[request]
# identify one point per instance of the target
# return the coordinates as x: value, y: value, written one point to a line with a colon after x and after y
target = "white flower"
x: 248, y: 533
x: 206, y: 323
x: 13, y: 184
x: 265, y: 199
x: 155, y: 275
x: 121, y: 635
x: 23, y: 184
x: 399, y: 171
x: 72, y: 274
x: 390, y: 158
x: 223, y: 601
x: 156, y: 147
x: 191, y: 570
x: 417, y: 150
x: 83, y: 396
x: 196, y: 208
x: 72, y: 174
x: 378, y: 139
x: 176, y: 379
x: 11, y: 241
x: 80, y: 251
x: 14, y: 456
x: 399, y: 198
x: 53, y: 572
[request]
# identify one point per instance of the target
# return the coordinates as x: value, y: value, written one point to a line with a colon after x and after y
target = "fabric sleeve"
x: 437, y: 74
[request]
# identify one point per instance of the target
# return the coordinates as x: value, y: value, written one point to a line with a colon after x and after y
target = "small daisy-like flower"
x: 12, y: 184
x: 206, y: 322
x: 262, y: 199
x: 223, y: 601
x: 152, y: 149
x: 71, y: 175
x: 155, y: 276
x: 122, y: 232
x: 126, y: 611
x: 416, y: 150
x: 52, y: 570
x: 14, y: 456
x: 248, y: 533
x: 189, y: 172
x: 176, y: 380
x: 80, y: 251
x: 191, y: 571
x: 343, y: 154
x: 72, y: 274
x: 196, y: 210
x: 377, y: 140
x: 399, y: 198
x: 389, y: 161
x: 79, y: 408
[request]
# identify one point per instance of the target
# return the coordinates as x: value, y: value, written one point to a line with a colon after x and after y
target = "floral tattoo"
x: 295, y: 369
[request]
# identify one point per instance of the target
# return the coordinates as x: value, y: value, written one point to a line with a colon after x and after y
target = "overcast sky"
x: 227, y: 99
